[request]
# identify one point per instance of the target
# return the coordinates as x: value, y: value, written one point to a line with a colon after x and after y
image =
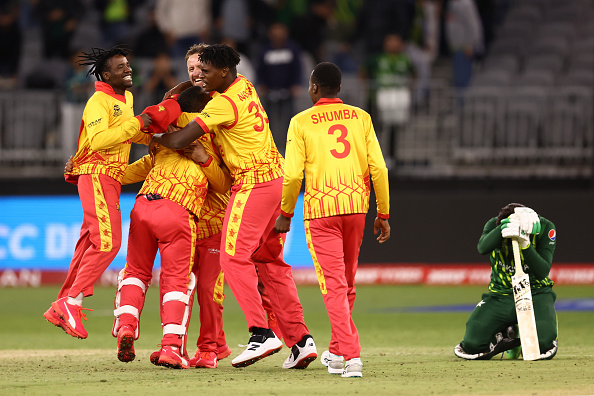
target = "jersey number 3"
x: 341, y: 139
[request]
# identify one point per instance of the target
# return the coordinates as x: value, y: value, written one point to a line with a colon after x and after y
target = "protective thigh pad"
x: 127, y: 309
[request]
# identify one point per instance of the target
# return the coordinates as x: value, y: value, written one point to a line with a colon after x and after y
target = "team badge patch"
x: 552, y: 235
x: 117, y: 111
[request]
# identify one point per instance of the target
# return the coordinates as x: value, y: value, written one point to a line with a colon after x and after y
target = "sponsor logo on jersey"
x: 116, y: 110
x: 161, y: 108
x: 203, y: 114
x: 552, y: 235
x: 93, y: 123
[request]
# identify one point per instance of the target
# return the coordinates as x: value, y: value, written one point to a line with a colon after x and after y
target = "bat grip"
x: 517, y: 258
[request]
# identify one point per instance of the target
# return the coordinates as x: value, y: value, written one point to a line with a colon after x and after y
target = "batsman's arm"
x: 490, y: 238
x: 539, y: 258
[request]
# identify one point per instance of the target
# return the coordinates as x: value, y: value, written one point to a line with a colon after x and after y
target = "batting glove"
x: 510, y: 228
x: 529, y: 220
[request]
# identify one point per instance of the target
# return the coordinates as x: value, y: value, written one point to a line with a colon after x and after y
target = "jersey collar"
x: 325, y: 101
x: 101, y: 86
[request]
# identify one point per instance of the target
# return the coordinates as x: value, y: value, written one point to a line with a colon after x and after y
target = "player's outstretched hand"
x: 383, y: 227
x: 197, y: 153
x: 510, y: 228
x: 146, y: 119
x: 282, y: 224
x: 529, y: 220
x: 69, y: 165
x: 179, y: 88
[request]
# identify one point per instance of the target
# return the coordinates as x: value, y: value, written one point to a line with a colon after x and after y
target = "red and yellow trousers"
x: 165, y: 226
x: 248, y: 241
x: 100, y: 234
x: 334, y: 243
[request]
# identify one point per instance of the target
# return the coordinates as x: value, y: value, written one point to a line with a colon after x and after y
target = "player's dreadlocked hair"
x: 506, y: 211
x: 98, y: 59
x: 220, y: 56
x: 328, y: 77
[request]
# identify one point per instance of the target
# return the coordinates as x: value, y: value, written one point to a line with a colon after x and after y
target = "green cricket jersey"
x: 536, y: 258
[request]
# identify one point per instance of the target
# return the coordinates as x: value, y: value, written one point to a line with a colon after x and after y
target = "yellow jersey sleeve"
x: 294, y: 166
x: 138, y: 170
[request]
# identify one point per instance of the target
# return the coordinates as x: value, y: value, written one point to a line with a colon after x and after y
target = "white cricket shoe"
x: 302, y: 354
x: 335, y: 363
x: 263, y: 343
x: 353, y: 368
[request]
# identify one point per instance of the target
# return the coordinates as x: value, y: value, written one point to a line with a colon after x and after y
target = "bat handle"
x: 517, y: 258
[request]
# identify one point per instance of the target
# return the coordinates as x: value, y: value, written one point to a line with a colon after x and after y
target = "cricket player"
x: 107, y: 129
x: 164, y: 218
x: 211, y: 343
x: 336, y: 146
x: 492, y: 327
x: 248, y: 235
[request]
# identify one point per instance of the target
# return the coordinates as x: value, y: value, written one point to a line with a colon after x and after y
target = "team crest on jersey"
x: 116, y: 110
x: 552, y: 235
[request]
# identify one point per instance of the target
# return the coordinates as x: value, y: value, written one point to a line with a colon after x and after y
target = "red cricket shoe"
x: 171, y: 357
x: 204, y: 360
x: 126, y: 344
x: 154, y: 358
x: 51, y: 316
x: 223, y: 352
x: 70, y: 316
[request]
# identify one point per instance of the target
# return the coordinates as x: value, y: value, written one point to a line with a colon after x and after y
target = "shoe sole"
x: 126, y: 348
x: 253, y: 360
x: 352, y: 375
x: 335, y: 371
x: 155, y: 361
x: 65, y: 325
x: 204, y: 365
x: 60, y: 323
x: 171, y: 363
x: 303, y: 363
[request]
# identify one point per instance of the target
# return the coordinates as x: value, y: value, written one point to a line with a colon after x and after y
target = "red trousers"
x: 165, y: 226
x: 100, y: 234
x: 248, y: 226
x: 209, y: 293
x: 334, y: 243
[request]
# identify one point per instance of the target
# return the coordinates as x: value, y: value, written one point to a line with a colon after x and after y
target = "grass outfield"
x: 404, y: 353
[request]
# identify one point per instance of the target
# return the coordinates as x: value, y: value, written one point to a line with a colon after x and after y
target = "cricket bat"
x: 524, y: 308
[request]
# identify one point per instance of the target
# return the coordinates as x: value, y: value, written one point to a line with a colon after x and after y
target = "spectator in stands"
x: 10, y: 45
x: 465, y: 38
x: 379, y: 18
x: 184, y: 22
x: 59, y: 20
x: 78, y: 85
x: 161, y: 78
x: 116, y: 16
x: 279, y: 80
x: 310, y: 30
x: 423, y: 45
x: 151, y: 41
x: 233, y: 22
x: 392, y: 77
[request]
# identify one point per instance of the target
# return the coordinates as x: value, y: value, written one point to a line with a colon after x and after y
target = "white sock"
x: 76, y: 300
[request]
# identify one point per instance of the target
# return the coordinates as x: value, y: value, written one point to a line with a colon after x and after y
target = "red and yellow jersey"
x: 241, y: 126
x: 211, y: 217
x: 172, y: 175
x: 335, y: 144
x: 107, y: 129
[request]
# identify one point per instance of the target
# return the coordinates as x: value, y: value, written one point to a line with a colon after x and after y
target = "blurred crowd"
x: 391, y: 43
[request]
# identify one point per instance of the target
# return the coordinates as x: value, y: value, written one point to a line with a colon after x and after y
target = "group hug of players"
x: 216, y: 203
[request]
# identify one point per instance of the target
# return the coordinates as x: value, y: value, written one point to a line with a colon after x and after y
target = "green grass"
x: 403, y: 353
